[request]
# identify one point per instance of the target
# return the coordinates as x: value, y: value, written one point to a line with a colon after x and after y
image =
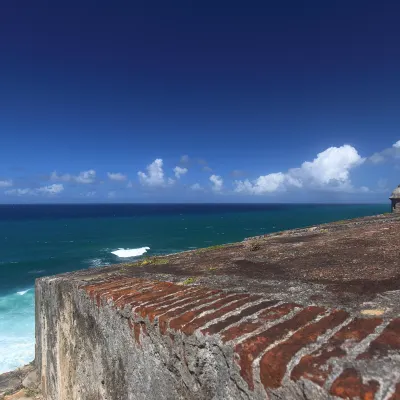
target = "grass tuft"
x: 150, y: 261
x: 188, y: 281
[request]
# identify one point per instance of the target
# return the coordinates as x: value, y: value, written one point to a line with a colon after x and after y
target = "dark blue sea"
x: 38, y: 240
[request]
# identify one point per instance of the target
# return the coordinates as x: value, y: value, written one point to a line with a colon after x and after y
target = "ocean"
x: 39, y: 240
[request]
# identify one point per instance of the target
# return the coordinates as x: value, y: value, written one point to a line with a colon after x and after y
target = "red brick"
x: 135, y: 327
x: 396, y: 394
x: 387, y: 341
x: 162, y: 302
x: 179, y: 322
x: 153, y: 312
x: 315, y: 366
x: 270, y: 314
x: 159, y: 290
x: 166, y: 317
x: 349, y: 385
x: 274, y: 363
x: 252, y: 347
x: 219, y: 326
x: 107, y: 285
x: 189, y: 328
x: 117, y: 292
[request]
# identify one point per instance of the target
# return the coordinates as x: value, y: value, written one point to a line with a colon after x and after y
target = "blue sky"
x: 193, y: 101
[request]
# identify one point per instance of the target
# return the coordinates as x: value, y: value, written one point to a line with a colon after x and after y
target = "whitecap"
x: 97, y: 262
x: 124, y: 253
x: 22, y: 292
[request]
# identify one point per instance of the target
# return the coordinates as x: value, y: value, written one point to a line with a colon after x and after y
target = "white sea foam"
x: 17, y: 330
x: 22, y: 292
x: 97, y: 262
x: 125, y: 253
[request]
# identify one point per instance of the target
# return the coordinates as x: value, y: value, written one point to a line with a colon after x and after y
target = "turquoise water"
x: 46, y: 240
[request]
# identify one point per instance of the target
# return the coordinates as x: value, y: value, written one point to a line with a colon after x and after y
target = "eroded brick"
x: 196, y: 323
x: 316, y: 367
x: 191, y: 298
x: 138, y: 298
x: 164, y: 318
x: 387, y: 341
x: 135, y: 327
x: 396, y: 394
x: 349, y: 385
x: 178, y: 322
x: 219, y: 326
x: 269, y: 315
x: 252, y: 347
x: 273, y: 364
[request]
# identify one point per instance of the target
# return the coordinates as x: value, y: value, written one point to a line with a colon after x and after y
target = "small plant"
x: 29, y: 392
x: 188, y: 281
x: 212, y: 269
x: 149, y: 261
x: 254, y: 246
x: 215, y: 247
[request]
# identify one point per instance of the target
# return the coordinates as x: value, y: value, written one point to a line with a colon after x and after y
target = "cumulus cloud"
x: 196, y: 186
x: 179, y: 171
x: 50, y: 190
x: 154, y: 175
x: 86, y: 176
x: 391, y: 153
x: 329, y: 170
x: 6, y: 183
x: 83, y: 177
x: 217, y: 183
x: 116, y: 176
x: 111, y: 194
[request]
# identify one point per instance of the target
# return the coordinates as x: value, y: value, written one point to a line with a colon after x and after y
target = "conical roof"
x: 396, y: 193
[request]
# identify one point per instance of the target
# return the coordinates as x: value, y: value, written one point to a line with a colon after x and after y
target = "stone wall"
x: 118, y: 338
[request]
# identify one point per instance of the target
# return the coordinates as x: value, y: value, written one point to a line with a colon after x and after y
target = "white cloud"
x: 129, y: 185
x: 179, y: 171
x: 171, y: 181
x: 83, y: 177
x: 196, y: 186
x: 45, y: 190
x: 111, y: 194
x: 116, y: 176
x: 329, y: 170
x: 86, y: 176
x: 154, y: 175
x: 51, y: 189
x: 217, y: 182
x: 387, y: 154
x: 263, y: 184
x: 6, y: 183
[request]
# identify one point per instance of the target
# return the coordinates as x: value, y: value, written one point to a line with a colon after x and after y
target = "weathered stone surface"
x: 284, y: 322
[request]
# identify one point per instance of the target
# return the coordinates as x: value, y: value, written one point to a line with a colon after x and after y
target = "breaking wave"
x: 125, y: 253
